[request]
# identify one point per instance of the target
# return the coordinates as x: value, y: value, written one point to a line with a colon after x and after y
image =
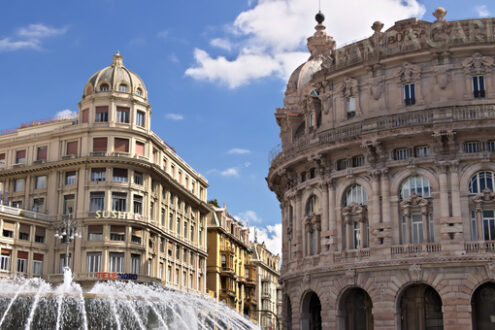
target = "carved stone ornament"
x: 350, y: 87
x: 442, y: 78
x: 490, y: 269
x: 415, y: 272
x: 486, y: 196
x: 377, y: 26
x: 376, y: 87
x: 477, y: 64
x: 409, y: 73
x: 440, y: 13
x: 414, y: 201
x: 354, y: 212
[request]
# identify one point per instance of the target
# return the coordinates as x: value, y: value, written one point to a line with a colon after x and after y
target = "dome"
x: 302, y: 75
x: 115, y: 78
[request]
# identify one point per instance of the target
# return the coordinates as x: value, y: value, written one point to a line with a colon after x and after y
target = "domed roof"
x: 303, y: 74
x: 116, y: 78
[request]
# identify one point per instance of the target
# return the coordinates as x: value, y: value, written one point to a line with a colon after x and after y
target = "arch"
x: 417, y: 184
x: 310, y: 311
x: 312, y: 205
x: 483, y: 306
x: 123, y: 88
x: 355, y: 310
x: 104, y: 87
x: 355, y: 194
x: 469, y: 171
x: 399, y: 177
x: 419, y: 307
x: 287, y: 318
x: 343, y: 187
x: 480, y: 181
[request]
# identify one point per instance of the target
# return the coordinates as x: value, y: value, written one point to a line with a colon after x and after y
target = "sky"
x: 215, y: 71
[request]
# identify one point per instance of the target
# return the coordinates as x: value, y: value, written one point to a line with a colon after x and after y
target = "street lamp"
x: 66, y: 230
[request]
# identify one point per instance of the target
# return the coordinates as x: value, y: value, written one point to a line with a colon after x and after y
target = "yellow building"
x: 141, y: 208
x: 231, y: 278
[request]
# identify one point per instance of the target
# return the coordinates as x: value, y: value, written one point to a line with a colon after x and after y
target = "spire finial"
x: 319, y: 17
x: 117, y: 59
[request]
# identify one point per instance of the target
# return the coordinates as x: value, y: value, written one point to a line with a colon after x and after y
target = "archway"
x: 483, y: 306
x: 288, y: 314
x: 311, y: 312
x: 355, y: 310
x: 420, y: 308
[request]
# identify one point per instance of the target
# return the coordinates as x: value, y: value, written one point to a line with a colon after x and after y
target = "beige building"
x: 231, y: 278
x: 386, y: 179
x: 268, y: 290
x: 141, y: 208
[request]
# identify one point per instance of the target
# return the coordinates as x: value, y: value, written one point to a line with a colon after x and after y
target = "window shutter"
x: 101, y: 109
x: 100, y: 144
x: 38, y: 256
x: 2, y: 156
x: 22, y: 254
x: 94, y: 229
x: 72, y: 148
x: 20, y: 154
x: 139, y: 148
x: 121, y: 145
x: 119, y: 230
x: 123, y: 109
x: 40, y: 231
x: 85, y: 116
x: 8, y: 226
x: 6, y: 252
x: 42, y: 153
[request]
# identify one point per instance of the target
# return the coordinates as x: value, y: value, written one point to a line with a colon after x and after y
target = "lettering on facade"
x: 117, y: 215
x: 116, y: 276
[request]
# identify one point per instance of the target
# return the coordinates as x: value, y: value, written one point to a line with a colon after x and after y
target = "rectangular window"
x: 121, y: 145
x: 479, y: 87
x: 177, y: 253
x: 178, y: 226
x: 38, y: 204
x: 119, y: 200
x: 39, y: 235
x: 488, y: 225
x: 303, y: 176
x: 119, y: 175
x: 152, y: 211
x: 5, y: 259
x: 138, y: 204
x: 421, y: 151
x: 95, y: 233
x: 20, y: 157
x: 136, y: 236
x: 135, y: 263
x: 401, y: 154
x: 138, y: 178
x: 96, y: 201
x: 17, y: 204
x: 62, y: 262
x: 71, y: 148
x: 417, y: 229
x: 100, y: 144
x: 98, y: 174
x: 122, y: 115
x: 350, y: 104
x: 191, y: 237
x: 490, y: 146
x: 341, y: 164
x: 139, y: 148
x: 170, y: 249
x: 117, y: 233
x: 101, y: 114
x: 185, y: 229
x: 69, y: 204
x: 37, y: 264
x: 70, y: 178
x: 170, y: 221
x: 85, y: 116
x: 18, y: 185
x: 474, y: 226
x: 472, y: 146
x: 22, y: 261
x: 93, y: 262
x: 357, y: 161
x: 41, y: 153
x: 2, y: 158
x: 40, y: 182
x: 431, y: 228
x: 162, y: 218
x: 169, y: 274
x: 24, y: 232
x: 356, y: 235
x: 140, y: 118
x: 116, y: 262
x: 409, y: 94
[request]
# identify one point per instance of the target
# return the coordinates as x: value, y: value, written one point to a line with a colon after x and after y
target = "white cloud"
x: 173, y: 58
x: 271, y: 235
x: 222, y: 44
x: 271, y: 36
x: 482, y: 11
x: 66, y: 114
x: 248, y: 216
x: 29, y: 37
x: 232, y: 171
x: 174, y: 116
x: 239, y: 151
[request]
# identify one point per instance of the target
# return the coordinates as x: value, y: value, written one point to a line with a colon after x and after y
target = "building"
x: 385, y: 179
x: 231, y: 277
x: 268, y: 290
x: 141, y: 209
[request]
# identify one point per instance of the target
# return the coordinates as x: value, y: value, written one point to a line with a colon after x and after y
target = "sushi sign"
x: 116, y: 276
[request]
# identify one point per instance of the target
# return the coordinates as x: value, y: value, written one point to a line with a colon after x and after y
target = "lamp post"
x: 67, y: 229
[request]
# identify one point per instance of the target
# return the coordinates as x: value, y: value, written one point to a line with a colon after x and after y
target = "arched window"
x: 139, y: 92
x: 311, y: 205
x: 123, y: 88
x: 481, y: 181
x: 104, y: 87
x: 415, y: 184
x: 355, y: 194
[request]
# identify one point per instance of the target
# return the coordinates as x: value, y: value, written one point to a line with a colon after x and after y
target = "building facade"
x: 141, y: 209
x: 385, y: 179
x: 231, y: 277
x: 268, y: 290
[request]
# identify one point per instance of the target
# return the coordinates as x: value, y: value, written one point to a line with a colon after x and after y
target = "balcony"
x: 225, y: 270
x: 415, y: 249
x: 482, y: 246
x: 228, y: 292
x: 24, y: 213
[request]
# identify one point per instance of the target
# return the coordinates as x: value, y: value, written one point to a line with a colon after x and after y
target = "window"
x: 421, y: 151
x: 481, y: 181
x: 135, y: 263
x: 350, y: 105
x: 116, y: 262
x: 39, y: 235
x: 138, y: 204
x: 71, y: 148
x: 311, y: 205
x: 17, y: 204
x: 417, y: 228
x: 122, y: 115
x: 95, y: 233
x: 472, y: 146
x: 2, y: 158
x: 192, y: 233
x: 139, y: 148
x: 417, y: 185
x: 96, y: 201
x: 170, y: 221
x: 312, y: 173
x: 119, y: 201
x: 98, y: 174
x: 38, y: 204
x: 85, y: 116
x: 356, y: 235
x: 100, y: 144
x: 341, y: 164
x: 119, y: 175
x: 401, y: 154
x: 140, y: 118
x: 488, y: 225
x: 409, y: 94
x: 40, y: 182
x: 490, y: 146
x: 177, y: 228
x: 138, y: 178
x: 22, y: 261
x: 121, y: 145
x: 177, y: 253
x: 8, y: 229
x: 68, y: 204
x: 41, y: 153
x: 152, y: 211
x: 117, y: 233
x: 20, y: 157
x: 169, y: 274
x: 123, y: 88
x: 70, y: 178
x: 162, y: 218
x: 93, y: 262
x: 104, y: 87
x: 357, y: 161
x: 355, y: 194
x: 101, y: 114
x: 24, y: 232
x: 303, y: 176
x: 5, y: 259
x: 18, y: 185
x: 37, y: 264
x: 139, y: 92
x: 478, y: 86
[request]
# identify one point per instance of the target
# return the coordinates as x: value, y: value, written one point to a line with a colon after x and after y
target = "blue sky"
x: 215, y: 72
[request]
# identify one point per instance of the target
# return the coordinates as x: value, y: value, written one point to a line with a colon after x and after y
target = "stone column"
x: 408, y: 229
x: 456, y: 198
x: 426, y: 229
x: 444, y: 193
x: 325, y: 211
x: 332, y: 219
x: 385, y: 197
x: 479, y: 223
x: 362, y: 234
x: 349, y: 233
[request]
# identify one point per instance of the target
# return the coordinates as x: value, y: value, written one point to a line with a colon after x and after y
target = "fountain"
x: 34, y: 304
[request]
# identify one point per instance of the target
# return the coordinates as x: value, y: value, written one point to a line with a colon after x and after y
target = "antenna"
x: 319, y: 5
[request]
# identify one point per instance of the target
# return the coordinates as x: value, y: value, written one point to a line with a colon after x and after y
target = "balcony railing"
x: 24, y: 213
x: 415, y: 249
x: 484, y: 246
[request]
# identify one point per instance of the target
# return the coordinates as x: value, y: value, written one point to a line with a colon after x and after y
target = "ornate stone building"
x: 386, y: 179
x: 141, y: 208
